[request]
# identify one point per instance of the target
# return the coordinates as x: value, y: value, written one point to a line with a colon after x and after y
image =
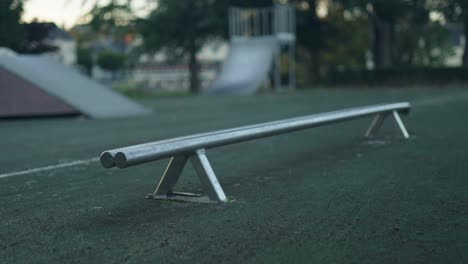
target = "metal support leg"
x: 375, y: 125
x: 205, y: 173
x: 171, y: 175
x: 207, y: 176
x: 378, y: 121
x: 400, y: 124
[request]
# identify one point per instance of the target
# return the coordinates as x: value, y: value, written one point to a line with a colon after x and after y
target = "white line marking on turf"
x: 50, y: 167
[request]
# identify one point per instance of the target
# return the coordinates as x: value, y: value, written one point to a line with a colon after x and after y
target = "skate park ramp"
x: 59, y: 89
x: 246, y: 67
x: 20, y: 98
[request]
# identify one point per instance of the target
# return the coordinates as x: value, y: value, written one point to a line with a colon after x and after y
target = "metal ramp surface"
x: 246, y: 67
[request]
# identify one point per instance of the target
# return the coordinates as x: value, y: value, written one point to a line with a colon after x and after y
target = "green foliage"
x: 137, y: 90
x: 111, y: 61
x: 112, y: 21
x: 455, y: 11
x: 84, y: 59
x: 340, y: 39
x: 385, y: 19
x: 251, y: 3
x: 312, y: 38
x: 181, y: 24
x: 423, y: 45
x: 398, y: 32
x: 386, y: 10
x: 397, y: 76
x: 348, y: 39
x: 131, y: 89
x: 113, y: 18
x: 181, y: 27
x: 11, y: 31
x: 313, y: 31
x: 36, y: 33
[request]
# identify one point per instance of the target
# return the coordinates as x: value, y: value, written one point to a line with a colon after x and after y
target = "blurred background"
x: 157, y: 47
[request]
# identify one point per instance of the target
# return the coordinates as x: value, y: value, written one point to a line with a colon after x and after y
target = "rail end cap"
x: 120, y: 160
x: 107, y: 160
x: 407, y: 109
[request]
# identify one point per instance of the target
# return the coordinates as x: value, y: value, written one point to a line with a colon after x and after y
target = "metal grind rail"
x: 192, y: 147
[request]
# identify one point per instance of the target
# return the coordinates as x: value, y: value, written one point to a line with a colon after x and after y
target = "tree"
x: 384, y: 16
x: 112, y: 19
x: 12, y: 32
x: 84, y: 58
x: 421, y: 43
x: 330, y: 40
x: 313, y: 32
x: 36, y: 34
x: 106, y: 27
x: 111, y: 61
x: 455, y: 11
x: 347, y: 40
x: 182, y: 27
x: 251, y: 3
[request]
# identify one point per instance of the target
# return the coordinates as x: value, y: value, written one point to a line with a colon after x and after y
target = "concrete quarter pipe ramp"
x: 75, y: 91
x: 247, y: 66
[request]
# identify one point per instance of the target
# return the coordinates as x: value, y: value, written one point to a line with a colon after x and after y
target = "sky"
x: 63, y: 12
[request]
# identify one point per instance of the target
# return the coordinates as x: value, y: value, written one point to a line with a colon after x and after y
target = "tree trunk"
x: 465, y: 48
x: 382, y: 42
x: 311, y: 38
x: 194, y: 69
x: 315, y: 66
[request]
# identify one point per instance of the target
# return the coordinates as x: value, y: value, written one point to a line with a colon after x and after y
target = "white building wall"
x: 66, y: 52
x: 176, y: 78
x: 171, y: 80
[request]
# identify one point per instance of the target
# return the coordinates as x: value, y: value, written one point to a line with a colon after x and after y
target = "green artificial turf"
x: 323, y: 195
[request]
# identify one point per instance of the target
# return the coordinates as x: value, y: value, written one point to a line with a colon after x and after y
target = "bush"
x: 84, y: 59
x: 397, y: 76
x: 111, y: 61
